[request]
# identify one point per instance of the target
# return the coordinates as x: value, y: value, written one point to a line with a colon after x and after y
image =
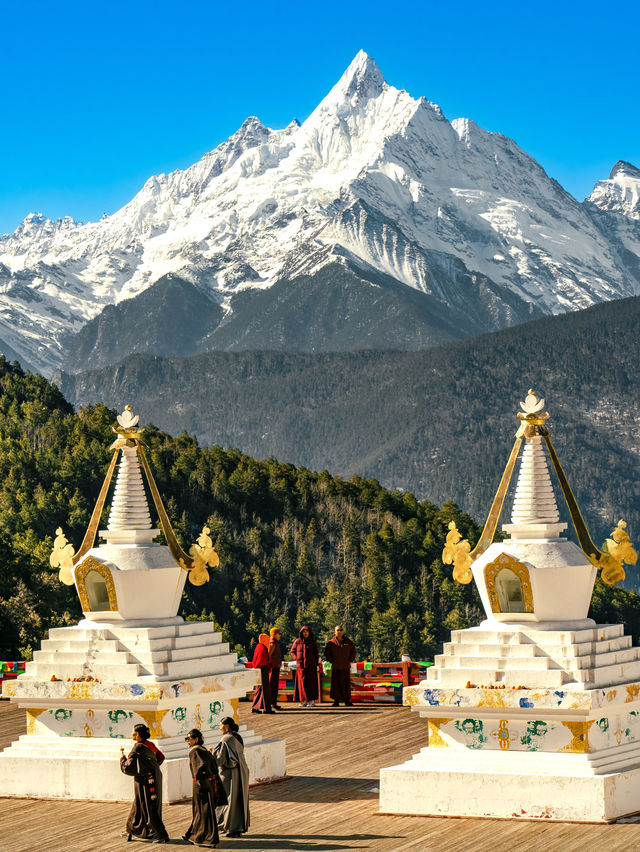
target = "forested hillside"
x: 295, y: 546
x: 439, y: 423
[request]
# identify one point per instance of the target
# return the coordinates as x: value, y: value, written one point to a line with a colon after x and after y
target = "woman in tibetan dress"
x: 206, y: 794
x: 305, y: 652
x: 234, y: 774
x: 262, y: 661
x: 143, y: 763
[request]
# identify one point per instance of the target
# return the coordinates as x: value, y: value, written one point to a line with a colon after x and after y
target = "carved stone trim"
x: 492, y: 570
x: 88, y: 565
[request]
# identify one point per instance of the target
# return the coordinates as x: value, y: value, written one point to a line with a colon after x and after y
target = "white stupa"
x: 535, y: 713
x: 131, y: 660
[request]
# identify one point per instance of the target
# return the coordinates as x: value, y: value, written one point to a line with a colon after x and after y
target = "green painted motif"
x: 118, y: 716
x: 603, y: 724
x: 533, y: 737
x: 61, y: 715
x: 117, y: 731
x: 473, y: 730
x: 215, y: 709
x: 179, y: 716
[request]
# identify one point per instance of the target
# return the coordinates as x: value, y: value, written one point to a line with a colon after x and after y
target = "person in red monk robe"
x: 262, y: 661
x: 305, y: 652
x: 275, y: 652
x: 340, y: 652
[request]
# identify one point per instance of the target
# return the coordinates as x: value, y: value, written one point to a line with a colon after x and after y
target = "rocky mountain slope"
x: 453, y: 230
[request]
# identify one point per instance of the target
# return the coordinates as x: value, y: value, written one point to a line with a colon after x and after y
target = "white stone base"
x: 407, y: 789
x: 171, y: 677
x: 95, y: 774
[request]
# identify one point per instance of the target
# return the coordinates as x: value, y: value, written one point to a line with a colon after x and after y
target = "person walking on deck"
x: 143, y: 763
x: 207, y: 792
x: 340, y: 652
x: 234, y: 774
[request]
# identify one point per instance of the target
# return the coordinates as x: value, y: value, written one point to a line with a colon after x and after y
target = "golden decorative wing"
x: 62, y: 557
x: 203, y: 555
x: 457, y: 552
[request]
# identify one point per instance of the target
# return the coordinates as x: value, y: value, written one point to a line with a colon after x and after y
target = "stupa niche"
x: 131, y: 660
x: 535, y: 713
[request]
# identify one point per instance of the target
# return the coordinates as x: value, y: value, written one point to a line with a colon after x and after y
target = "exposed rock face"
x: 374, y: 183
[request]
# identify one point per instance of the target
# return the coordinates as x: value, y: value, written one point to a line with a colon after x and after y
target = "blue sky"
x: 99, y: 96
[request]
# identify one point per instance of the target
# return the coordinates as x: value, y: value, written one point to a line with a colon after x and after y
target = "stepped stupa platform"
x: 131, y: 660
x: 535, y: 713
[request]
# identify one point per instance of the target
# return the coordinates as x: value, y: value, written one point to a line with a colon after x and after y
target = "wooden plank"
x: 329, y: 803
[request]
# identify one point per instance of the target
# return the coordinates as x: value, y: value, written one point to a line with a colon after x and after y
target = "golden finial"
x: 126, y: 430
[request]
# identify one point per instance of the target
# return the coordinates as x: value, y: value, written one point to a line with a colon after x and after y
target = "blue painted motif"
x: 524, y: 702
x: 430, y: 698
x: 136, y: 689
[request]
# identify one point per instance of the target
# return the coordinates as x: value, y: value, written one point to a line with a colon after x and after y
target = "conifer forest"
x: 296, y: 546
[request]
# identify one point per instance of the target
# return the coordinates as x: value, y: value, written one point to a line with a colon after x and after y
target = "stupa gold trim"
x: 202, y: 554
x: 616, y: 550
x: 521, y: 571
x: 91, y: 564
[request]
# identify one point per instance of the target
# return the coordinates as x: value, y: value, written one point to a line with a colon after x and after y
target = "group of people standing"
x: 339, y: 651
x: 220, y: 794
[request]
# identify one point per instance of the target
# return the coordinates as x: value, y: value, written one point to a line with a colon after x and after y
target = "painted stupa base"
x: 172, y: 678
x: 560, y: 741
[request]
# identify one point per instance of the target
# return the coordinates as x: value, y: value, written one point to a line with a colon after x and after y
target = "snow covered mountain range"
x: 375, y: 223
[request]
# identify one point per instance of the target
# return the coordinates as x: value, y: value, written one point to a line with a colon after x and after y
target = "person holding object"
x: 234, y: 774
x: 305, y: 652
x: 262, y: 661
x: 143, y: 762
x: 207, y: 793
x: 340, y: 652
x: 275, y: 653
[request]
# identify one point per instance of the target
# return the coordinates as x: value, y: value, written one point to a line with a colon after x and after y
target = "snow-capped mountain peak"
x: 373, y: 177
x: 621, y: 192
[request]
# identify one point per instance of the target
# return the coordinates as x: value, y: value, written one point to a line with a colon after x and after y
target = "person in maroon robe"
x: 340, y: 652
x: 262, y: 661
x: 305, y: 652
x: 275, y: 652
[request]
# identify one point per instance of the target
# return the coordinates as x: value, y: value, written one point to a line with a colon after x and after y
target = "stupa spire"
x: 535, y: 510
x: 129, y: 519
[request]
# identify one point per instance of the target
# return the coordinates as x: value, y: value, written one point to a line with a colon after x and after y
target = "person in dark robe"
x: 143, y: 762
x: 234, y: 774
x: 275, y: 653
x: 305, y: 652
x: 262, y: 661
x: 340, y: 652
x: 207, y: 792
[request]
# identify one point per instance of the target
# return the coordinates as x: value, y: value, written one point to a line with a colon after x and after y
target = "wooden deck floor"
x: 329, y: 803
